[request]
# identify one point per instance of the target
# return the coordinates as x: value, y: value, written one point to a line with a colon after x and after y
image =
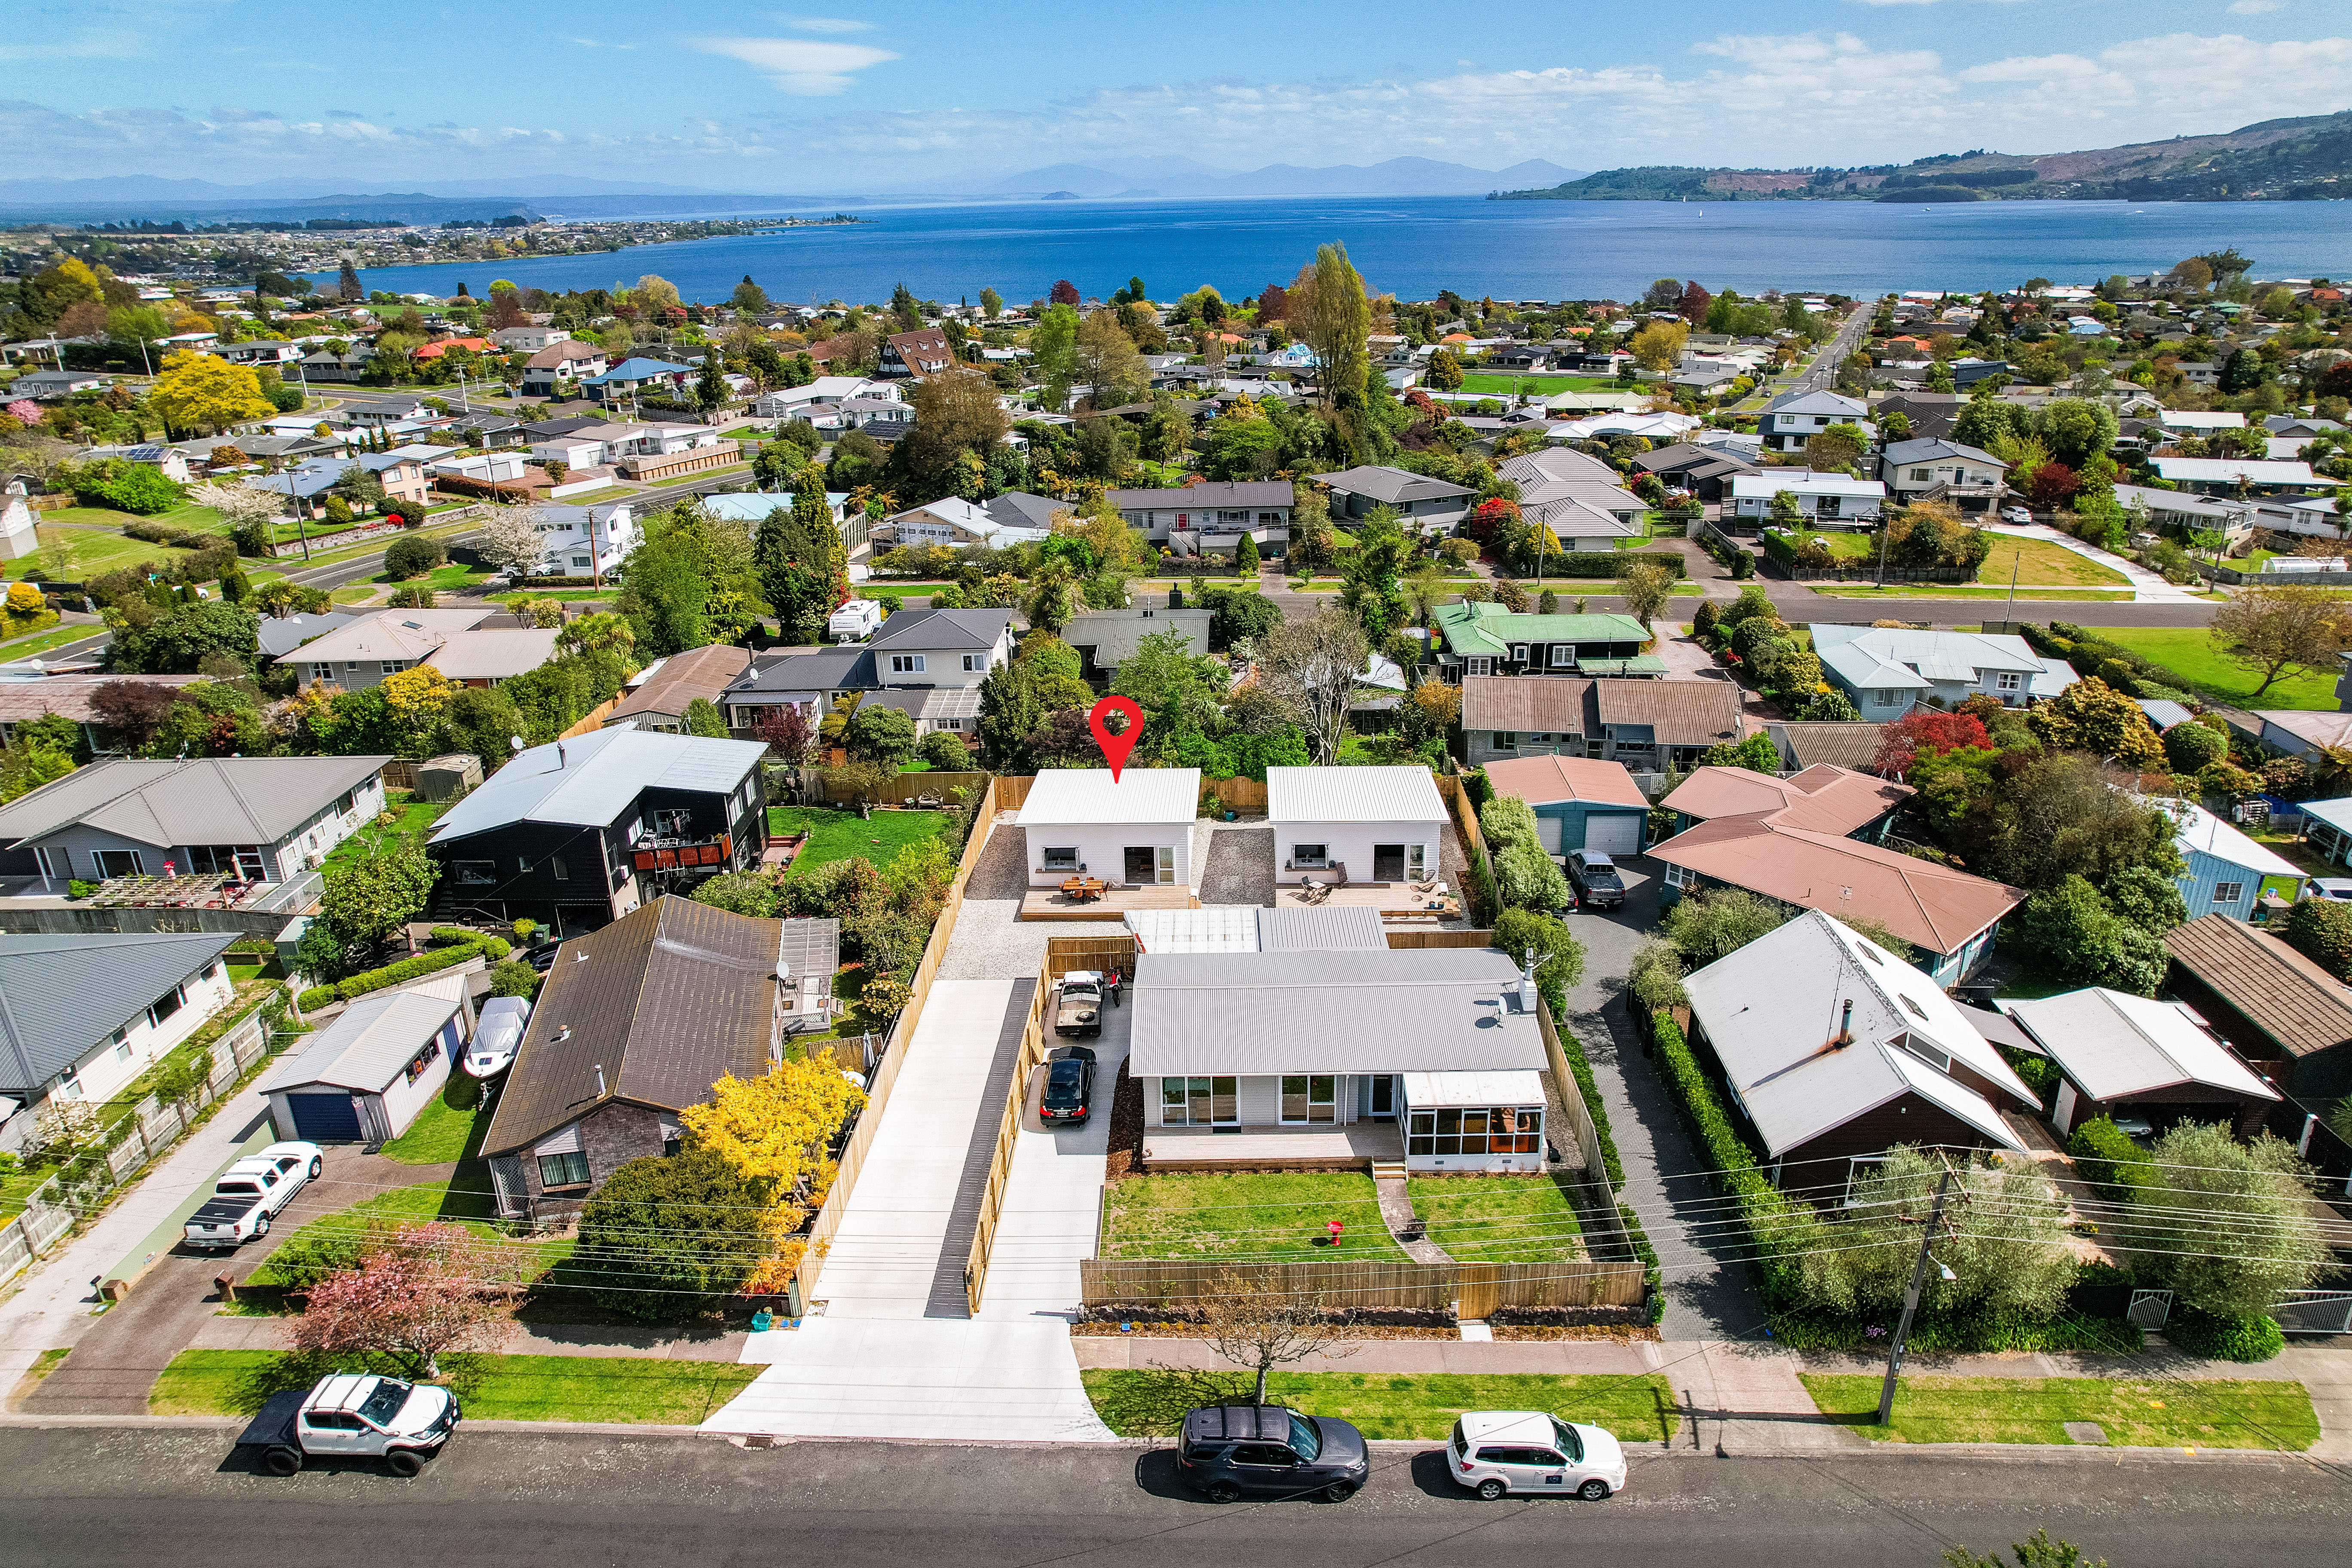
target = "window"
x: 2008, y: 680
x: 1507, y: 1129
x: 349, y: 797
x: 121, y: 1045
x: 166, y: 1004
x: 907, y: 664
x: 1198, y: 1102
x: 1562, y: 655
x: 476, y: 873
x: 1416, y: 862
x: 563, y: 872
x: 1165, y: 866
x: 1506, y: 740
x: 1481, y: 664
x: 1681, y: 876
x: 1311, y: 855
x: 1062, y: 859
x: 2228, y: 892
x: 1882, y: 697
x: 352, y: 665
x: 1310, y: 1097
x: 1519, y: 653
x: 563, y: 1170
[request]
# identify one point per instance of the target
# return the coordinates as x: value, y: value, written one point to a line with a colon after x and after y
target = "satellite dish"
x: 515, y: 741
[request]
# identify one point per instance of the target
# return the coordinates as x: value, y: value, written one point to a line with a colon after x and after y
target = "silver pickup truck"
x: 251, y: 1193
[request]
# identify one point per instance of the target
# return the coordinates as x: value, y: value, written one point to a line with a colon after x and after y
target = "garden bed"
x: 1422, y: 1406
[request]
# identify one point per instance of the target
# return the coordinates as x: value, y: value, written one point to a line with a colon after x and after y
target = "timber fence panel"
x: 1363, y: 1284
x: 1401, y: 940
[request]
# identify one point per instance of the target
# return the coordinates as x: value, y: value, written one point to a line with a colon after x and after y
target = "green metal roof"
x: 1472, y: 627
x: 1640, y: 664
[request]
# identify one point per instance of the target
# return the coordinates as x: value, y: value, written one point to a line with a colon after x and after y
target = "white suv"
x: 1496, y: 1451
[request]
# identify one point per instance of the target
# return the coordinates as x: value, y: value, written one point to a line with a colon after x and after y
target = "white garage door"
x: 1613, y: 833
x: 1547, y: 834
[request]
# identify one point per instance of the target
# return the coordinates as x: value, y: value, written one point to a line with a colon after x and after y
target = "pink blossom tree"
x: 25, y: 412
x: 427, y: 1289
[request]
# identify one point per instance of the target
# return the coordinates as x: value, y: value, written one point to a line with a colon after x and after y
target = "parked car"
x: 348, y: 1415
x: 2016, y: 514
x: 251, y: 1193
x: 1229, y: 1449
x: 497, y: 1034
x: 1594, y: 877
x: 1069, y: 1087
x: 1078, y: 1007
x: 1493, y: 1452
x: 2332, y: 888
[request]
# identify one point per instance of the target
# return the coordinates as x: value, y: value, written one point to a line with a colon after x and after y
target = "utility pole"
x: 1886, y: 531
x: 1911, y: 1300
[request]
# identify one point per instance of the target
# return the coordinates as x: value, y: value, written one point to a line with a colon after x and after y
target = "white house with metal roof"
x: 1355, y: 825
x: 1888, y: 670
x: 81, y: 1016
x: 1824, y: 499
x: 368, y: 1075
x: 2128, y: 1055
x: 1134, y: 829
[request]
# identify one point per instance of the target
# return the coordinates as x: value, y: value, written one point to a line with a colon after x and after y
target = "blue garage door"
x: 326, y: 1117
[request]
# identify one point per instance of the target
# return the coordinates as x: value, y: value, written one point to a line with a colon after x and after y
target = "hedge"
x: 2225, y: 1338
x: 2105, y: 1155
x: 445, y: 936
x: 1608, y: 563
x: 493, y: 948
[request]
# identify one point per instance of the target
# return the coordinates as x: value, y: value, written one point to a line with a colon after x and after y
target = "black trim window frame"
x: 569, y: 1168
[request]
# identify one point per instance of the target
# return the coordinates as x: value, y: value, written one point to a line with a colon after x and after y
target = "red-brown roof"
x: 2279, y: 991
x: 1538, y: 780
x: 1824, y: 798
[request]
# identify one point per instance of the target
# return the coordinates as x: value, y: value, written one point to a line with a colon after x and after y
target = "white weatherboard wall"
x: 1102, y: 849
x: 1350, y: 844
x: 403, y: 1100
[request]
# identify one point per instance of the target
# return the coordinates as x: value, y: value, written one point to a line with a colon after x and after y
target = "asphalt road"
x: 80, y: 1495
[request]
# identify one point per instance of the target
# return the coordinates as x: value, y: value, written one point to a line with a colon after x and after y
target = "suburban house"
x: 786, y: 402
x: 1580, y: 498
x: 586, y: 540
x: 1134, y: 829
x: 2286, y: 1017
x: 634, y: 377
x: 940, y: 648
x: 1107, y: 638
x: 1889, y: 670
x: 171, y: 462
x: 1424, y: 1059
x: 22, y: 699
x: 2130, y: 1057
x: 1929, y: 413
x: 453, y: 642
x: 364, y: 1077
x: 1795, y: 417
x: 1835, y: 1050
x: 254, y: 819
x: 1355, y: 824
x: 659, y: 694
x: 2233, y: 476
x: 2228, y: 872
x: 2306, y: 733
x: 1580, y: 802
x: 1812, y: 841
x: 953, y: 522
x: 1422, y: 505
x: 926, y: 352
x: 579, y: 833
x: 1823, y: 498
x: 635, y: 1022
x: 812, y: 680
x: 1702, y: 470
x: 281, y: 635
x: 2328, y: 828
x: 1934, y: 468
x: 81, y: 1016
x: 1646, y: 725
x: 559, y: 361
x: 1216, y: 514
x: 1480, y: 637
x: 528, y: 339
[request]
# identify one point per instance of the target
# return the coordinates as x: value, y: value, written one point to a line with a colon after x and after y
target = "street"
x: 182, y: 1495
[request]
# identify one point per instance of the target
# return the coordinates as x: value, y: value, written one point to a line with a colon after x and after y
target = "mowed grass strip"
x: 1498, y: 1219
x: 2041, y: 561
x: 1633, y: 1410
x: 1250, y: 1216
x: 2191, y: 653
x: 843, y: 835
x: 645, y: 1390
x: 2153, y: 1414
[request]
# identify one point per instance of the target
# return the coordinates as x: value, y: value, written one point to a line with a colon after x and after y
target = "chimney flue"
x: 600, y: 1080
x: 1845, y: 1024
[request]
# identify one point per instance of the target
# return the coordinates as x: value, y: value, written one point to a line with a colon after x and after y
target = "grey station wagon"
x: 1229, y: 1449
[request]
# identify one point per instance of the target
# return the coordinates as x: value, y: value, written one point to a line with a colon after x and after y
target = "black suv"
x: 1229, y: 1449
x: 1069, y: 1087
x: 1594, y: 877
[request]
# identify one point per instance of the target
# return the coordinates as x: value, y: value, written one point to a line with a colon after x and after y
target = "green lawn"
x: 90, y: 549
x: 1248, y: 1215
x: 415, y: 817
x: 1425, y: 1406
x: 636, y: 1389
x: 2159, y: 1413
x: 598, y: 498
x: 1540, y: 386
x: 416, y: 1204
x: 448, y: 579
x: 450, y: 1128
x: 2189, y: 652
x: 1967, y: 591
x: 2041, y: 560
x: 1498, y: 1219
x: 42, y: 642
x: 841, y: 834
x: 2291, y: 848
x: 17, y: 1183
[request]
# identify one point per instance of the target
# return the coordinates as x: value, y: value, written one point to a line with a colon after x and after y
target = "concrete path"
x: 1405, y: 1225
x: 2147, y: 587
x: 1053, y: 1203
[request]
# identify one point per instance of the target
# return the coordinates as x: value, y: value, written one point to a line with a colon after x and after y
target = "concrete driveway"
x: 1708, y: 1291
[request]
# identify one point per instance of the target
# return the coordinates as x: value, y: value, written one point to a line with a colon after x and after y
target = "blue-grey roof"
x: 638, y: 370
x: 281, y: 635
x: 848, y: 666
x: 59, y: 995
x: 590, y: 780
x: 201, y: 800
x: 371, y: 1044
x: 923, y: 629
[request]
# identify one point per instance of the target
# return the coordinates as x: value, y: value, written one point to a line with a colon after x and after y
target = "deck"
x: 1357, y: 1145
x: 1053, y: 904
x: 1395, y: 900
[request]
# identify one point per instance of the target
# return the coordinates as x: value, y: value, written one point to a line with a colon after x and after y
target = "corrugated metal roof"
x: 1419, y: 1010
x: 1678, y: 713
x: 1541, y: 780
x: 494, y: 655
x: 1847, y: 743
x: 1519, y: 1086
x: 1350, y: 929
x: 2115, y: 1044
x: 205, y: 800
x: 2196, y: 828
x: 589, y: 780
x: 68, y: 695
x: 680, y: 679
x: 367, y: 1048
x: 1352, y: 794
x: 919, y: 629
x: 1077, y: 796
x: 394, y: 634
x: 59, y: 995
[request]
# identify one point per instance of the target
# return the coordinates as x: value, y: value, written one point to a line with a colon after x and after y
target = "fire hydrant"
x: 1335, y: 1227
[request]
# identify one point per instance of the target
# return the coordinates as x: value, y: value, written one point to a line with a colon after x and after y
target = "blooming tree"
x: 25, y: 412
x: 1926, y: 733
x: 427, y: 1289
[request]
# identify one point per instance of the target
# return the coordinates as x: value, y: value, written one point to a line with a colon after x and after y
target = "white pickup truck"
x: 251, y: 1193
x: 349, y: 1414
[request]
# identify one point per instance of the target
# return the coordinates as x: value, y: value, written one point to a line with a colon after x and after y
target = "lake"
x: 1415, y: 247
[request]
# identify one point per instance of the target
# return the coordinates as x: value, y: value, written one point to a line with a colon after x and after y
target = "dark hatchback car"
x: 1229, y: 1449
x: 1594, y: 877
x: 1070, y: 1095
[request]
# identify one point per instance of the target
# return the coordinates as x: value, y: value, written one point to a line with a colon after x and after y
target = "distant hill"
x: 1182, y: 177
x: 2308, y: 159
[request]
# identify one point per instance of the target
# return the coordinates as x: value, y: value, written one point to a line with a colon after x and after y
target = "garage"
x: 1612, y: 832
x: 1549, y: 834
x: 324, y: 1118
x: 1580, y: 802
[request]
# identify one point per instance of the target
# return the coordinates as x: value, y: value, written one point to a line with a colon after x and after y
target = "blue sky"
x: 927, y: 95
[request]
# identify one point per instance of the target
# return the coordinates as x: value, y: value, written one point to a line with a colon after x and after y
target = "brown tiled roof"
x: 667, y: 1000
x: 68, y: 695
x: 1824, y: 798
x: 2279, y: 991
x: 1679, y: 712
x: 1540, y: 704
x: 1537, y: 780
x: 683, y: 677
x: 924, y: 352
x: 1848, y: 743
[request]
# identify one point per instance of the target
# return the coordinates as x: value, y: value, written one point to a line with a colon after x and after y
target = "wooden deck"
x: 1395, y: 900
x: 1356, y: 1146
x: 1053, y: 904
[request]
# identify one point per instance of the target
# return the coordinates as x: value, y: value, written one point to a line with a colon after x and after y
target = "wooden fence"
x: 1473, y: 844
x: 1405, y: 938
x: 593, y: 719
x: 885, y: 1075
x: 899, y: 791
x: 1011, y: 793
x: 1244, y: 796
x: 1471, y: 1290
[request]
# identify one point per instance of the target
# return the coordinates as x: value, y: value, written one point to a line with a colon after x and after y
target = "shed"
x: 2156, y: 1059
x: 448, y: 777
x: 1369, y: 824
x: 1135, y: 828
x: 365, y: 1076
x: 1580, y: 802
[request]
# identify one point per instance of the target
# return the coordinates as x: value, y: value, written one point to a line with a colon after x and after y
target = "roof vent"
x: 600, y: 1079
x: 1845, y: 1024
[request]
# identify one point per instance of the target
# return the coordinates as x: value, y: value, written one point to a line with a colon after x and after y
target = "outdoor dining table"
x: 1084, y: 889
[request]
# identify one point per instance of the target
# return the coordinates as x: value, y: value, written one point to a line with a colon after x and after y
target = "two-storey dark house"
x: 579, y: 833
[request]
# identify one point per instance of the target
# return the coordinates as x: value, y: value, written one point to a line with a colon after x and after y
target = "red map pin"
x: 1116, y: 747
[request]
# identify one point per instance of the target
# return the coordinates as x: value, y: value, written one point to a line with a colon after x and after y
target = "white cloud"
x: 826, y: 24
x: 800, y: 65
x: 2256, y: 7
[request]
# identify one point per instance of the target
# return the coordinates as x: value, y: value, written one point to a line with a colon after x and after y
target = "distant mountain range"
x: 2309, y: 159
x: 1184, y: 177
